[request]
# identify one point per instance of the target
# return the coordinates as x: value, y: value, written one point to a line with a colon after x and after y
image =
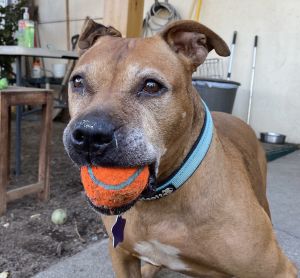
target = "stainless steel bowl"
x: 272, y: 137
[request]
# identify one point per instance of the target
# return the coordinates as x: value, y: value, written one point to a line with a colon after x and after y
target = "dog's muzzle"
x: 96, y: 139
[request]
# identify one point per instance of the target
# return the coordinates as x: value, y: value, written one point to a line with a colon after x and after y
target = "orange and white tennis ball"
x: 113, y: 187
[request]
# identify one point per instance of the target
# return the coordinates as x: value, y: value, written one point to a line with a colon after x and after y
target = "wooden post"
x: 68, y: 24
x: 125, y: 15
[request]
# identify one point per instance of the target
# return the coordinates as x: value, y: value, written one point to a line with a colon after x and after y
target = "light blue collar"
x: 191, y: 162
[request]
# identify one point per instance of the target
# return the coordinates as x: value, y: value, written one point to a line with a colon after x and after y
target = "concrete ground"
x: 284, y: 198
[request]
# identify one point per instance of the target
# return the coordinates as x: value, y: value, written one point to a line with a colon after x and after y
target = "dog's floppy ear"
x: 194, y: 41
x: 92, y: 31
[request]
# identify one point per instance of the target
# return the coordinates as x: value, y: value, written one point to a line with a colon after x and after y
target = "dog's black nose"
x: 93, y: 132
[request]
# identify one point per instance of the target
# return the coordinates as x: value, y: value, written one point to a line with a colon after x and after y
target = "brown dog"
x: 132, y: 103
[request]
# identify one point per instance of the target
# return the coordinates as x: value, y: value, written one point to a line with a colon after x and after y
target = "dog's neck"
x: 183, y: 144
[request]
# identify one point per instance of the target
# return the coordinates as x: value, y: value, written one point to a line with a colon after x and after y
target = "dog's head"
x: 131, y: 100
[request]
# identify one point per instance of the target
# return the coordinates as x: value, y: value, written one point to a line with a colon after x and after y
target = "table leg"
x: 44, y: 154
x: 4, y: 152
x: 18, y: 119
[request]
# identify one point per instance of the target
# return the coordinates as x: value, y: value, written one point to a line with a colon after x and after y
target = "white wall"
x: 52, y: 18
x: 276, y: 100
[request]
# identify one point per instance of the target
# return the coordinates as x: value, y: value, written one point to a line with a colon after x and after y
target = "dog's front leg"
x: 149, y: 270
x: 124, y: 265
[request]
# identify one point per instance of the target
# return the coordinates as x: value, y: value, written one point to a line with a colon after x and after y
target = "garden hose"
x: 159, y: 15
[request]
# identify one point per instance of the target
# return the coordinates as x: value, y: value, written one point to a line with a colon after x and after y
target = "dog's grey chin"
x: 111, y: 211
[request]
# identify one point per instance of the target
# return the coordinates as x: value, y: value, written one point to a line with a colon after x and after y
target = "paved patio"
x: 284, y: 198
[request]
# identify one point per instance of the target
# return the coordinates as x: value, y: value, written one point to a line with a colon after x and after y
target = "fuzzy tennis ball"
x: 59, y: 216
x: 113, y: 187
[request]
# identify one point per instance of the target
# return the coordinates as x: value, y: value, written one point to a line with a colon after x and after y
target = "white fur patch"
x: 183, y: 115
x: 160, y: 254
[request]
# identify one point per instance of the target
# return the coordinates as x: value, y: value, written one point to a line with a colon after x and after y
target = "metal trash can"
x: 218, y: 94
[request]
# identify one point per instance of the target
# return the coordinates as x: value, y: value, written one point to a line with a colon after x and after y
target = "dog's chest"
x: 160, y: 254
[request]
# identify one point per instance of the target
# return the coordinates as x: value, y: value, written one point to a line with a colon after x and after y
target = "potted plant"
x: 9, y: 16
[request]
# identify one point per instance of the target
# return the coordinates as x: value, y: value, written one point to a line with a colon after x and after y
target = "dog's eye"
x: 77, y: 81
x: 151, y: 87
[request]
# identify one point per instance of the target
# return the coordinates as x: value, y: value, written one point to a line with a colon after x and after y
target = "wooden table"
x: 24, y: 96
x: 18, y: 52
x: 13, y: 50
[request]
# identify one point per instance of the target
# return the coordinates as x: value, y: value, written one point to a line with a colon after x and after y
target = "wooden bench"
x: 24, y: 96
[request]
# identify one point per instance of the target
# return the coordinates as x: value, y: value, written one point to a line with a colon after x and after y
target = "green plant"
x: 9, y: 17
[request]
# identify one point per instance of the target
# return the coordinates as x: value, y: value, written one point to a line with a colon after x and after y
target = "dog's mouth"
x: 129, y: 148
x: 148, y: 192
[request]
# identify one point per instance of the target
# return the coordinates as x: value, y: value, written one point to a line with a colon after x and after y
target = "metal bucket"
x: 218, y: 94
